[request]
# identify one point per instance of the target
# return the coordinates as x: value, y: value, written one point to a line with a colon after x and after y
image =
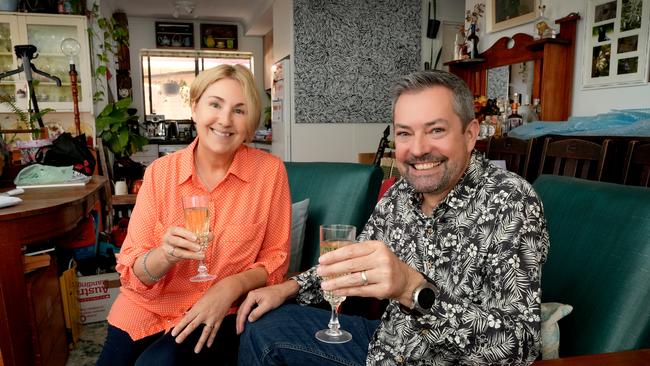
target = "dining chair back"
x: 637, y: 164
x: 515, y: 152
x: 573, y: 158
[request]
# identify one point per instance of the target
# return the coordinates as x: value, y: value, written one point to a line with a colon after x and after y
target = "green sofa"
x: 339, y: 193
x: 598, y: 262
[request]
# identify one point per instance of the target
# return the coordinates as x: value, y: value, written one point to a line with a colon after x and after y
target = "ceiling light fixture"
x: 183, y: 7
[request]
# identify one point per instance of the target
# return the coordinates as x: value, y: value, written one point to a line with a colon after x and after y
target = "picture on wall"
x: 616, y: 46
x: 503, y: 14
x: 174, y: 35
x: 219, y: 36
x: 605, y: 11
x: 628, y: 44
x: 602, y: 33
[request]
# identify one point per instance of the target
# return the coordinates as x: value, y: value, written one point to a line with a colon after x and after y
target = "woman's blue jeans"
x: 285, y: 336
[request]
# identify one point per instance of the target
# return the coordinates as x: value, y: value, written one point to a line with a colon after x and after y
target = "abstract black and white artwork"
x: 348, y: 53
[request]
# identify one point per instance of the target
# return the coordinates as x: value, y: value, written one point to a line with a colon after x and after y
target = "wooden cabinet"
x: 47, y: 321
x: 45, y: 31
x: 553, y: 60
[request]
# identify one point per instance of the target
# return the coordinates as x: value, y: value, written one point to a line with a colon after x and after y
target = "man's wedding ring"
x: 364, y: 278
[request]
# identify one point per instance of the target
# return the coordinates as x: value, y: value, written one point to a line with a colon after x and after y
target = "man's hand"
x: 262, y: 300
x: 387, y: 276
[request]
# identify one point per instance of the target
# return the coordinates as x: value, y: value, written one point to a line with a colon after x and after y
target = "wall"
x: 585, y: 102
x: 338, y: 142
x: 446, y: 10
x: 142, y: 33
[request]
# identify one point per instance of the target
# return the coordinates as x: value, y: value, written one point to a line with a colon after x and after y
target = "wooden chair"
x: 574, y: 158
x: 637, y: 164
x: 515, y: 152
x: 117, y: 205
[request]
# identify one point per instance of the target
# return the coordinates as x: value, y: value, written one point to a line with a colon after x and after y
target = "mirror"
x: 505, y: 81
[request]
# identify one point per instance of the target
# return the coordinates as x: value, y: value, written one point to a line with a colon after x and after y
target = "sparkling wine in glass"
x: 197, y: 220
x: 333, y: 237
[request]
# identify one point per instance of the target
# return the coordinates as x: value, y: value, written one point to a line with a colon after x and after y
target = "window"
x: 167, y: 75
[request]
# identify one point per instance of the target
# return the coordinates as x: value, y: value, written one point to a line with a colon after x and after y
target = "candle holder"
x: 71, y: 47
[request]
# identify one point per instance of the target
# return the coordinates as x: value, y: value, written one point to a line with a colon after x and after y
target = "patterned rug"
x: 91, y: 341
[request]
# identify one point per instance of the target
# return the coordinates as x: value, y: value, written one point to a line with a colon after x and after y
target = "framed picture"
x: 219, y: 36
x: 616, y: 43
x: 503, y: 14
x: 174, y: 35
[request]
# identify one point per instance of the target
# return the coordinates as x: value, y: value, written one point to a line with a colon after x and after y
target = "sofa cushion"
x: 339, y: 193
x: 552, y: 312
x: 298, y: 223
x: 598, y: 262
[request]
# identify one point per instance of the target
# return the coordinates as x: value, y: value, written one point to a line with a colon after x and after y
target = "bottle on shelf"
x: 542, y: 26
x: 515, y: 119
x: 535, y: 110
x: 473, y: 40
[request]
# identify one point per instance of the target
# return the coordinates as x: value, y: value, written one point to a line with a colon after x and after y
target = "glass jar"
x: 542, y: 26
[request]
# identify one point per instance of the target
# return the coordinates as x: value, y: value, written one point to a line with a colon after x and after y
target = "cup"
x: 135, y: 186
x: 121, y: 188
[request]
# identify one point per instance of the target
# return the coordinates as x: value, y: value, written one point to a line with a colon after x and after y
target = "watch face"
x: 426, y: 297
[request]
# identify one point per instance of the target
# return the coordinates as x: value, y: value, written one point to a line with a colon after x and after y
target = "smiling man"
x: 457, y: 246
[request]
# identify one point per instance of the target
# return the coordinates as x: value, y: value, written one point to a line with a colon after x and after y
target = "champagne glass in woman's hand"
x: 197, y: 220
x: 333, y: 237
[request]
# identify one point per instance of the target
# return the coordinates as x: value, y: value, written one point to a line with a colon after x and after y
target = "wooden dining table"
x: 640, y: 357
x: 43, y: 214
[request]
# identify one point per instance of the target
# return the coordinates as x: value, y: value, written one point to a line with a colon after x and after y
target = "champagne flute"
x: 197, y: 220
x: 333, y: 237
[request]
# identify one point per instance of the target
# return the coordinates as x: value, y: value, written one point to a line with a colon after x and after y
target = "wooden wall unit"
x: 553, y: 67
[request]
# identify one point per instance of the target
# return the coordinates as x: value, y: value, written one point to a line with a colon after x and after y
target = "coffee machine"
x: 155, y: 127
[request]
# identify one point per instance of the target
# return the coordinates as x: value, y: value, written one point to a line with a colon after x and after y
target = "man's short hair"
x: 463, y: 101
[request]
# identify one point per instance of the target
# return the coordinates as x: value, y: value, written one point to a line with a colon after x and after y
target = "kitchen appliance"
x: 281, y: 109
x: 172, y: 130
x: 156, y: 126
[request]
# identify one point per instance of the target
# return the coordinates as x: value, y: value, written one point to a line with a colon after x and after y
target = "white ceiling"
x: 255, y: 16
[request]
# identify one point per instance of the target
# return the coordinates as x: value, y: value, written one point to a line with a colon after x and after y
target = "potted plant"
x: 118, y: 129
x: 26, y: 119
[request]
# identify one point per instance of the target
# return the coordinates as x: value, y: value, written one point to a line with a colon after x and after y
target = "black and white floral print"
x: 484, y: 246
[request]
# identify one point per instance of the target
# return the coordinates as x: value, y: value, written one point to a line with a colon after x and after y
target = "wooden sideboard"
x: 45, y: 213
x: 640, y: 357
x: 553, y: 67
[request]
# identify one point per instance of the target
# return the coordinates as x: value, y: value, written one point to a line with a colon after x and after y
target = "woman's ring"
x: 364, y: 278
x: 171, y: 252
x: 208, y: 325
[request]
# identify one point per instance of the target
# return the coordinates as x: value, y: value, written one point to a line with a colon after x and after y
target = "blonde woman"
x: 160, y: 317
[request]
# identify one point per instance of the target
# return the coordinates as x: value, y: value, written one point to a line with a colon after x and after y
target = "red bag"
x: 118, y: 234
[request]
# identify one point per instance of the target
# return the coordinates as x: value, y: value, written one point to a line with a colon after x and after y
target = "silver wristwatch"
x: 423, y: 298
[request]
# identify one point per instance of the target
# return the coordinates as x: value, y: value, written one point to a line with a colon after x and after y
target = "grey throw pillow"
x: 299, y: 212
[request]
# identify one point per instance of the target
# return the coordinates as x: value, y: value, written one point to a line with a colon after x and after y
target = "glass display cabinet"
x: 46, y: 32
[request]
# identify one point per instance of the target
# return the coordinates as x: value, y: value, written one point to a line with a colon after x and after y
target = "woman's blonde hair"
x: 245, y: 78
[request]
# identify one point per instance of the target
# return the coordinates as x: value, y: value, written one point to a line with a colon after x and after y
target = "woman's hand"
x: 210, y: 310
x: 262, y: 300
x: 179, y: 243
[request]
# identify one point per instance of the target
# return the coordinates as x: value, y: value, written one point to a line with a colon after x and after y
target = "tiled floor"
x: 86, y: 351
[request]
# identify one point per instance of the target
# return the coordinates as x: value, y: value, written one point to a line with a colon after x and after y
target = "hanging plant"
x: 108, y: 39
